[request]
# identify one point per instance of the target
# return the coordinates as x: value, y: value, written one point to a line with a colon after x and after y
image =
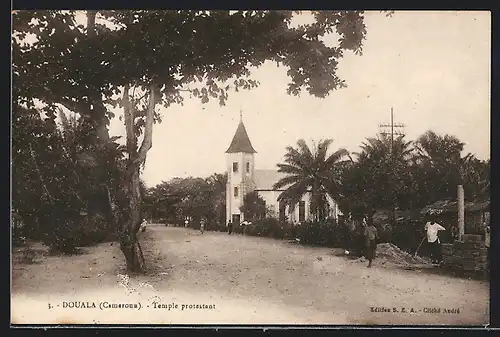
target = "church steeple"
x: 241, y: 143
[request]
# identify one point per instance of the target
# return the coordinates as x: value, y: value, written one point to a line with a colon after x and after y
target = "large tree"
x: 313, y: 171
x: 254, y: 206
x: 217, y: 183
x: 195, y: 198
x: 380, y: 178
x: 442, y: 168
x: 141, y: 59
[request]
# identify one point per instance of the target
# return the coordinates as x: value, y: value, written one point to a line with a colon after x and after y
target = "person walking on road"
x: 229, y: 227
x: 371, y: 237
x: 432, y: 229
x: 202, y: 226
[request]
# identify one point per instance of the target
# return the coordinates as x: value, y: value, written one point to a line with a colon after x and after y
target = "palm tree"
x: 475, y: 177
x: 311, y: 171
x: 440, y: 162
x: 379, y: 178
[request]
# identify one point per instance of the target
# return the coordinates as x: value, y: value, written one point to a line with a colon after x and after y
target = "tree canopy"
x: 313, y: 171
x: 137, y: 60
x: 173, y: 49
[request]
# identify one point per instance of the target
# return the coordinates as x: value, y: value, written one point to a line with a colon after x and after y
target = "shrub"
x: 18, y: 241
x: 217, y: 227
x: 312, y: 233
x: 93, y: 229
x: 65, y: 235
x: 268, y: 227
x: 29, y: 256
x: 237, y: 228
x: 61, y: 235
x: 329, y: 233
x: 408, y: 235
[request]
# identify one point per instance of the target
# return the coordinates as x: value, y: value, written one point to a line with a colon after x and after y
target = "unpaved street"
x: 245, y: 280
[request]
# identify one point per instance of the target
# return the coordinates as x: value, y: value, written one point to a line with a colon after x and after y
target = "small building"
x: 477, y: 214
x: 469, y: 253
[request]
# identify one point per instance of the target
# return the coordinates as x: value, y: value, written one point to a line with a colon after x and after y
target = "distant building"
x: 243, y: 178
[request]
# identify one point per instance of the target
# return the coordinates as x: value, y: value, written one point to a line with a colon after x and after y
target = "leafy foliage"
x: 193, y: 198
x: 216, y: 48
x: 54, y: 187
x: 379, y: 178
x: 442, y: 168
x: 254, y: 207
x: 314, y: 171
x: 158, y: 55
x: 413, y: 175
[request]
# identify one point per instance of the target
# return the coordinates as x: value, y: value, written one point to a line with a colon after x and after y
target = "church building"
x: 244, y: 178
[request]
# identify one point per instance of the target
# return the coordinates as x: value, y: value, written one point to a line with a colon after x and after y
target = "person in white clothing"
x: 432, y: 229
x: 143, y: 225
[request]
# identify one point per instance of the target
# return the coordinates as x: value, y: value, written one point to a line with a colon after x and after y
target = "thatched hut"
x: 477, y: 213
x: 468, y: 253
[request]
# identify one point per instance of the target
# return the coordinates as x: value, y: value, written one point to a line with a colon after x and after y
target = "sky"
x: 432, y: 68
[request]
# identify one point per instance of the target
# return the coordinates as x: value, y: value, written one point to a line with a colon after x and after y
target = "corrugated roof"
x: 477, y: 206
x: 383, y: 216
x: 265, y: 179
x: 241, y: 142
x: 441, y: 206
x: 445, y: 206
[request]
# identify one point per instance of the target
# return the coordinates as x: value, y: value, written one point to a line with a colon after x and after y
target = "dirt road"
x: 237, y: 279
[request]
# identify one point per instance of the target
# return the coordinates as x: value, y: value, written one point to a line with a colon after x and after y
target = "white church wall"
x: 241, y: 179
x: 295, y: 216
x: 271, y: 199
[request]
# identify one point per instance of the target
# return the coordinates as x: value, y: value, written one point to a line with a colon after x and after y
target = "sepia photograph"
x: 250, y: 167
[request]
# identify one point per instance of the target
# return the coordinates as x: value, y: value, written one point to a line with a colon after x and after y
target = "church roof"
x: 241, y: 142
x: 265, y: 179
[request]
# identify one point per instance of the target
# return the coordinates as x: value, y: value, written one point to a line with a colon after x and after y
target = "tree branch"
x: 40, y: 176
x: 147, y: 142
x: 91, y: 22
x: 128, y: 113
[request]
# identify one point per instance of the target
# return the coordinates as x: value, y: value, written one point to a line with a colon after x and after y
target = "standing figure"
x: 487, y: 238
x: 371, y: 237
x: 245, y: 225
x: 229, y: 227
x: 143, y: 225
x: 432, y: 229
x: 202, y: 226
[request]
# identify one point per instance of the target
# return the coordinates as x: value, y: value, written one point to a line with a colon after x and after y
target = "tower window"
x: 235, y: 167
x: 236, y: 192
x: 248, y: 166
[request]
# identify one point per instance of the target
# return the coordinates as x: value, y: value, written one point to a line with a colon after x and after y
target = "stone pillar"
x: 461, y: 212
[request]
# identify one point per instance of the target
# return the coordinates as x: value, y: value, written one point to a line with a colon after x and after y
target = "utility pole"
x: 461, y: 217
x: 395, y: 129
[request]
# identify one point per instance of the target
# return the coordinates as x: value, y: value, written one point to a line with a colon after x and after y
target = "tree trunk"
x: 131, y: 221
x: 128, y: 236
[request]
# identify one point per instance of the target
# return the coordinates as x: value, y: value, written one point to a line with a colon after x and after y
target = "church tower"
x: 240, y: 171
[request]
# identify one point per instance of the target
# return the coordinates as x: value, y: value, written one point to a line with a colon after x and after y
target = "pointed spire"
x: 241, y: 141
